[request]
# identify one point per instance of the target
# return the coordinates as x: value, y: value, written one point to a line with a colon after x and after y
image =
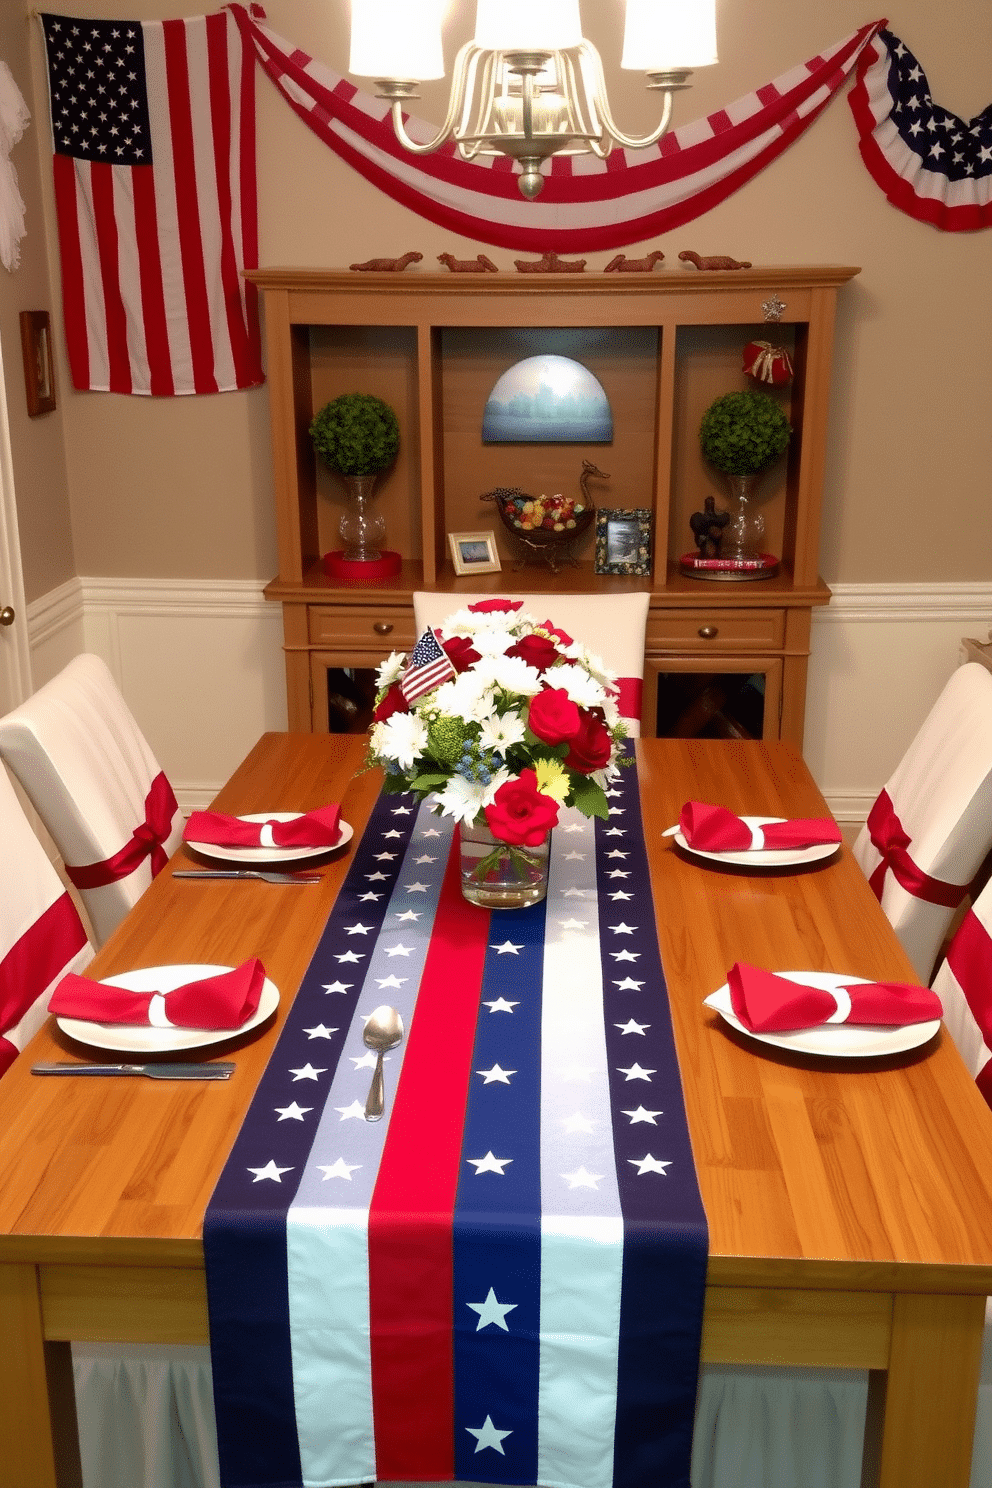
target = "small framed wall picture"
x: 474, y: 552
x: 39, y: 374
x: 623, y: 541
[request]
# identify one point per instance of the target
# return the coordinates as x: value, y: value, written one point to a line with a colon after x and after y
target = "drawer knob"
x: 382, y: 627
x: 708, y: 632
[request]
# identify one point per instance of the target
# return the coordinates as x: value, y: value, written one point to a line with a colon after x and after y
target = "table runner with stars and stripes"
x: 502, y: 1280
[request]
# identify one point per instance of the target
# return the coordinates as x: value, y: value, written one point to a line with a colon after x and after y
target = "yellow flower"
x: 551, y: 779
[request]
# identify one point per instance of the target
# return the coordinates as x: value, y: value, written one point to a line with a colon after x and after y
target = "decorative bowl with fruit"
x: 547, y: 525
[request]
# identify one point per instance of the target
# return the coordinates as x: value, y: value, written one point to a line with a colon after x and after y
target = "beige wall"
x: 37, y: 444
x: 173, y: 488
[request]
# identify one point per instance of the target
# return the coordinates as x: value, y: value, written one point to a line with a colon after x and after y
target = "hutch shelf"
x: 721, y: 658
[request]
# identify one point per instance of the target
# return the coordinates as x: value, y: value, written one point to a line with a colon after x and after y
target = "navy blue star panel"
x: 99, y: 95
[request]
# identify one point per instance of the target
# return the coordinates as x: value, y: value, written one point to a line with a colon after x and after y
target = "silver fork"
x: 265, y: 876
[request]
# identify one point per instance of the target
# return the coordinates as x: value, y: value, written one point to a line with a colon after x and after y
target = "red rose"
x: 591, y: 747
x: 461, y: 653
x: 521, y: 814
x: 561, y: 636
x: 537, y: 651
x: 393, y: 702
x: 553, y: 717
x: 495, y: 606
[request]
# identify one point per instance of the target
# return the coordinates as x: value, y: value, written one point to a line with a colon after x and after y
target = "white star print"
x: 364, y: 1061
x: 358, y: 929
x: 497, y: 1075
x: 642, y: 1115
x: 350, y: 956
x: 416, y: 888
x: 408, y: 914
x: 625, y: 955
x: 369, y: 896
x: 399, y: 950
x: 426, y: 858
x: 356, y: 1110
x: 635, y: 1072
x: 401, y: 811
x: 572, y: 827
x: 582, y: 1179
x: 486, y: 1435
x: 632, y: 1027
x: 500, y: 1005
x: 339, y: 1169
x: 392, y: 833
x: 373, y: 876
x: 619, y: 894
x: 628, y: 985
x: 338, y: 986
x: 623, y: 929
x: 616, y: 853
x: 292, y: 1112
x: 575, y: 857
x: 384, y: 857
x: 489, y: 1164
x: 306, y: 1073
x: 573, y: 924
x: 269, y: 1171
x: 491, y: 1311
x: 431, y: 832
x: 507, y: 948
x: 578, y: 1123
x: 618, y: 873
x: 615, y: 832
x: 648, y: 1164
x: 391, y: 981
x: 321, y: 1030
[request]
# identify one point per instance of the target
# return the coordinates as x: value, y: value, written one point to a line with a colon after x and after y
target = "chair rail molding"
x: 882, y: 654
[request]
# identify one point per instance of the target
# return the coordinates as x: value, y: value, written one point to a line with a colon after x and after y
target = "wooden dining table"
x: 849, y: 1201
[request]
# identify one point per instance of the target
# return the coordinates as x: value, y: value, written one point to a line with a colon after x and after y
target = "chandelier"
x: 528, y: 85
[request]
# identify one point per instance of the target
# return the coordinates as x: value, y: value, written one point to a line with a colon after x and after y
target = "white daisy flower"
x: 500, y: 733
x: 577, y: 684
x: 464, y: 799
x: 391, y: 669
x: 401, y: 738
x: 512, y: 674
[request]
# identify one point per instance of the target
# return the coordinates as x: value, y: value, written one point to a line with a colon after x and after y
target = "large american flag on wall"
x: 153, y: 130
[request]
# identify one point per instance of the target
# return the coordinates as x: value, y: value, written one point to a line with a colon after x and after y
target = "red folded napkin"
x: 715, y: 829
x: 766, y: 1003
x: 226, y: 1000
x: 320, y: 828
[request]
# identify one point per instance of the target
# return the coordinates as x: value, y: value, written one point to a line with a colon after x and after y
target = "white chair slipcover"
x: 610, y: 625
x: 931, y: 827
x: 41, y: 934
x: 90, y: 775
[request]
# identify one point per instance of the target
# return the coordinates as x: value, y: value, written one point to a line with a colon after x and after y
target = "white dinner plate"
x: 140, y: 1039
x: 840, y: 1040
x: 270, y: 854
x: 770, y: 858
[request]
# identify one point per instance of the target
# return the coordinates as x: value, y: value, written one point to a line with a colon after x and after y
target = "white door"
x: 15, y: 661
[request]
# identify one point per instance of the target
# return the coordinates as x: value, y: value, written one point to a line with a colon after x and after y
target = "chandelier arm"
x: 591, y: 59
x: 462, y: 82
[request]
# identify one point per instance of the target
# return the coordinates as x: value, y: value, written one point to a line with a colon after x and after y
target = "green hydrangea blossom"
x: 445, y: 739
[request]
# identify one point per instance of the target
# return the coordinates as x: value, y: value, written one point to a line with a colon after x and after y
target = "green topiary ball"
x: 356, y: 434
x: 742, y: 433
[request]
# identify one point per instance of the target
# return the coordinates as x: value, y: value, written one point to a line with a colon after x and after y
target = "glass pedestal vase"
x: 497, y: 875
x: 744, y: 533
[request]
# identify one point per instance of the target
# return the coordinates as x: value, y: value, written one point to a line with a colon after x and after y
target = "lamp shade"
x: 664, y: 34
x: 527, y: 25
x: 396, y: 39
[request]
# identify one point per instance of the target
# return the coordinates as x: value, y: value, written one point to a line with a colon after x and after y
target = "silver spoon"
x: 383, y: 1031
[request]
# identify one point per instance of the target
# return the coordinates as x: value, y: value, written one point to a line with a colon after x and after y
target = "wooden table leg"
x: 931, y: 1391
x: 25, y: 1415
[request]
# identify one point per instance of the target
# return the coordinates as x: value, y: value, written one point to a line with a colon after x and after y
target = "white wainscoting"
x: 200, y: 662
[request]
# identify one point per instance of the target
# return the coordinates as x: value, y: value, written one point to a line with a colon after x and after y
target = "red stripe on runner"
x: 970, y: 958
x: 160, y: 379
x: 410, y: 1218
x: 37, y: 957
x: 105, y: 220
x: 73, y: 283
x: 187, y: 206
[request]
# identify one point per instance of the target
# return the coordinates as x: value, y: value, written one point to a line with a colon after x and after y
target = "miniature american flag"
x: 427, y: 668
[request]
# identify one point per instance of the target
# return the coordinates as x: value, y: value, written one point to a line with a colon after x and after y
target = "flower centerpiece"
x: 502, y: 720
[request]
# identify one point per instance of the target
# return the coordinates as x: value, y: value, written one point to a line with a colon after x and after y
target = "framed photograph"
x: 623, y: 541
x: 474, y: 552
x: 39, y: 376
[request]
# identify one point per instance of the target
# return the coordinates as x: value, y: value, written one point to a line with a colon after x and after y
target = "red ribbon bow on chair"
x: 891, y: 839
x: 145, y: 842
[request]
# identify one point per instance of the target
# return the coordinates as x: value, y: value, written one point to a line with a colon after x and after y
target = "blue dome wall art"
x: 547, y: 400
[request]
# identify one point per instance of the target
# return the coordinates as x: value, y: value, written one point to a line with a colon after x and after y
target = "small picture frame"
x: 474, y: 552
x: 39, y: 371
x: 623, y: 541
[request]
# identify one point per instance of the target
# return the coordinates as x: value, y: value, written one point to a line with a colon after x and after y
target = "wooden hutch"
x: 663, y: 346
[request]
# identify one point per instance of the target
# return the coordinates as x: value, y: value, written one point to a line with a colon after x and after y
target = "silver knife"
x: 266, y: 875
x: 218, y: 1070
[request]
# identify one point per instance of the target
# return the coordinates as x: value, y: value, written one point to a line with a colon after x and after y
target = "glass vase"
x: 744, y: 534
x: 498, y: 875
x: 363, y: 531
